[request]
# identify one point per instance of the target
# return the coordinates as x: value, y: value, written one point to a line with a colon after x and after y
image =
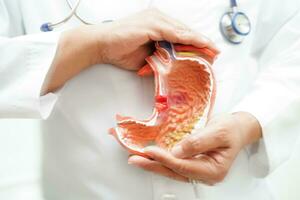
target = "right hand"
x: 127, y: 42
x: 124, y: 43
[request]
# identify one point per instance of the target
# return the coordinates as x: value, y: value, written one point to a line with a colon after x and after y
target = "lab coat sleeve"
x: 25, y: 61
x: 274, y: 99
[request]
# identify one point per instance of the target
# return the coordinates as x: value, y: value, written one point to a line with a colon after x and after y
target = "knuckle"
x: 157, y: 157
x: 182, y: 32
x: 219, y: 179
x: 221, y: 129
x: 149, y: 167
x: 222, y: 135
x: 182, y: 168
x: 219, y: 175
x: 172, y: 176
x: 190, y: 145
x: 211, y: 183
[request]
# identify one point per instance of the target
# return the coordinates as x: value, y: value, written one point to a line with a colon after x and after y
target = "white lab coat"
x: 82, y: 162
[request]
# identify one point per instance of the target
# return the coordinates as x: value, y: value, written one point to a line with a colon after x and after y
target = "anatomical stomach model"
x: 184, y: 97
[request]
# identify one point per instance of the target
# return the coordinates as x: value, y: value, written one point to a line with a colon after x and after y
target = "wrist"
x: 250, y: 127
x: 82, y: 44
x: 76, y: 51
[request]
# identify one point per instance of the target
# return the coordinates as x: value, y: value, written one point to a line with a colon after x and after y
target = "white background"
x: 20, y: 155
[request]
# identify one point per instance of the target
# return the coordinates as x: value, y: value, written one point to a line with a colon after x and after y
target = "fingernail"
x: 212, y: 45
x: 177, y: 151
x: 129, y: 161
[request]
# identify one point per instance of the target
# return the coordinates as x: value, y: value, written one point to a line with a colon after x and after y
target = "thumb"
x: 202, y: 141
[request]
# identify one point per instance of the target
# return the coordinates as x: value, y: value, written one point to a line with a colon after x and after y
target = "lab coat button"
x: 168, y: 197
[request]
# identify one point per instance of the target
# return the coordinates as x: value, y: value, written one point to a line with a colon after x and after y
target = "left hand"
x: 208, y: 154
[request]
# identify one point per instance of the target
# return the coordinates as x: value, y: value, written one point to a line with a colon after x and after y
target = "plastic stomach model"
x: 184, y: 97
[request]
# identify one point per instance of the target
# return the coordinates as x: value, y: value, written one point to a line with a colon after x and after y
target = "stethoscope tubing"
x: 233, y: 4
x: 230, y: 34
x: 71, y: 14
x: 76, y: 15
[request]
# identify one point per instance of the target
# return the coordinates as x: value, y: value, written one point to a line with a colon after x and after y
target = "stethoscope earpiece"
x: 46, y: 27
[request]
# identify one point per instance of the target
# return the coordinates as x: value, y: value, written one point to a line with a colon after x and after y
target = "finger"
x: 162, y: 156
x: 176, y: 33
x: 205, y: 140
x: 187, y: 167
x: 203, y: 167
x: 155, y: 167
x: 187, y: 36
x: 184, y: 167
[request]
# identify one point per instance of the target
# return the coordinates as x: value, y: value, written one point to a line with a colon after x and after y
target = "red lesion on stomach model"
x: 188, y: 96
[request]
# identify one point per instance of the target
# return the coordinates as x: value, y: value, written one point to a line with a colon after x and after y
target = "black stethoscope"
x: 234, y: 25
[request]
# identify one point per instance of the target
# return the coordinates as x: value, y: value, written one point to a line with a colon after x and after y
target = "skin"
x: 124, y: 43
x: 206, y: 155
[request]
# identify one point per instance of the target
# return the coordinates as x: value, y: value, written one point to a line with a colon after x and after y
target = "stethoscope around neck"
x: 48, y: 26
x: 234, y: 25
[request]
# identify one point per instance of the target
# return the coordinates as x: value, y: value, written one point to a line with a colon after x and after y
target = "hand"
x: 206, y: 155
x: 124, y: 43
x: 127, y: 42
